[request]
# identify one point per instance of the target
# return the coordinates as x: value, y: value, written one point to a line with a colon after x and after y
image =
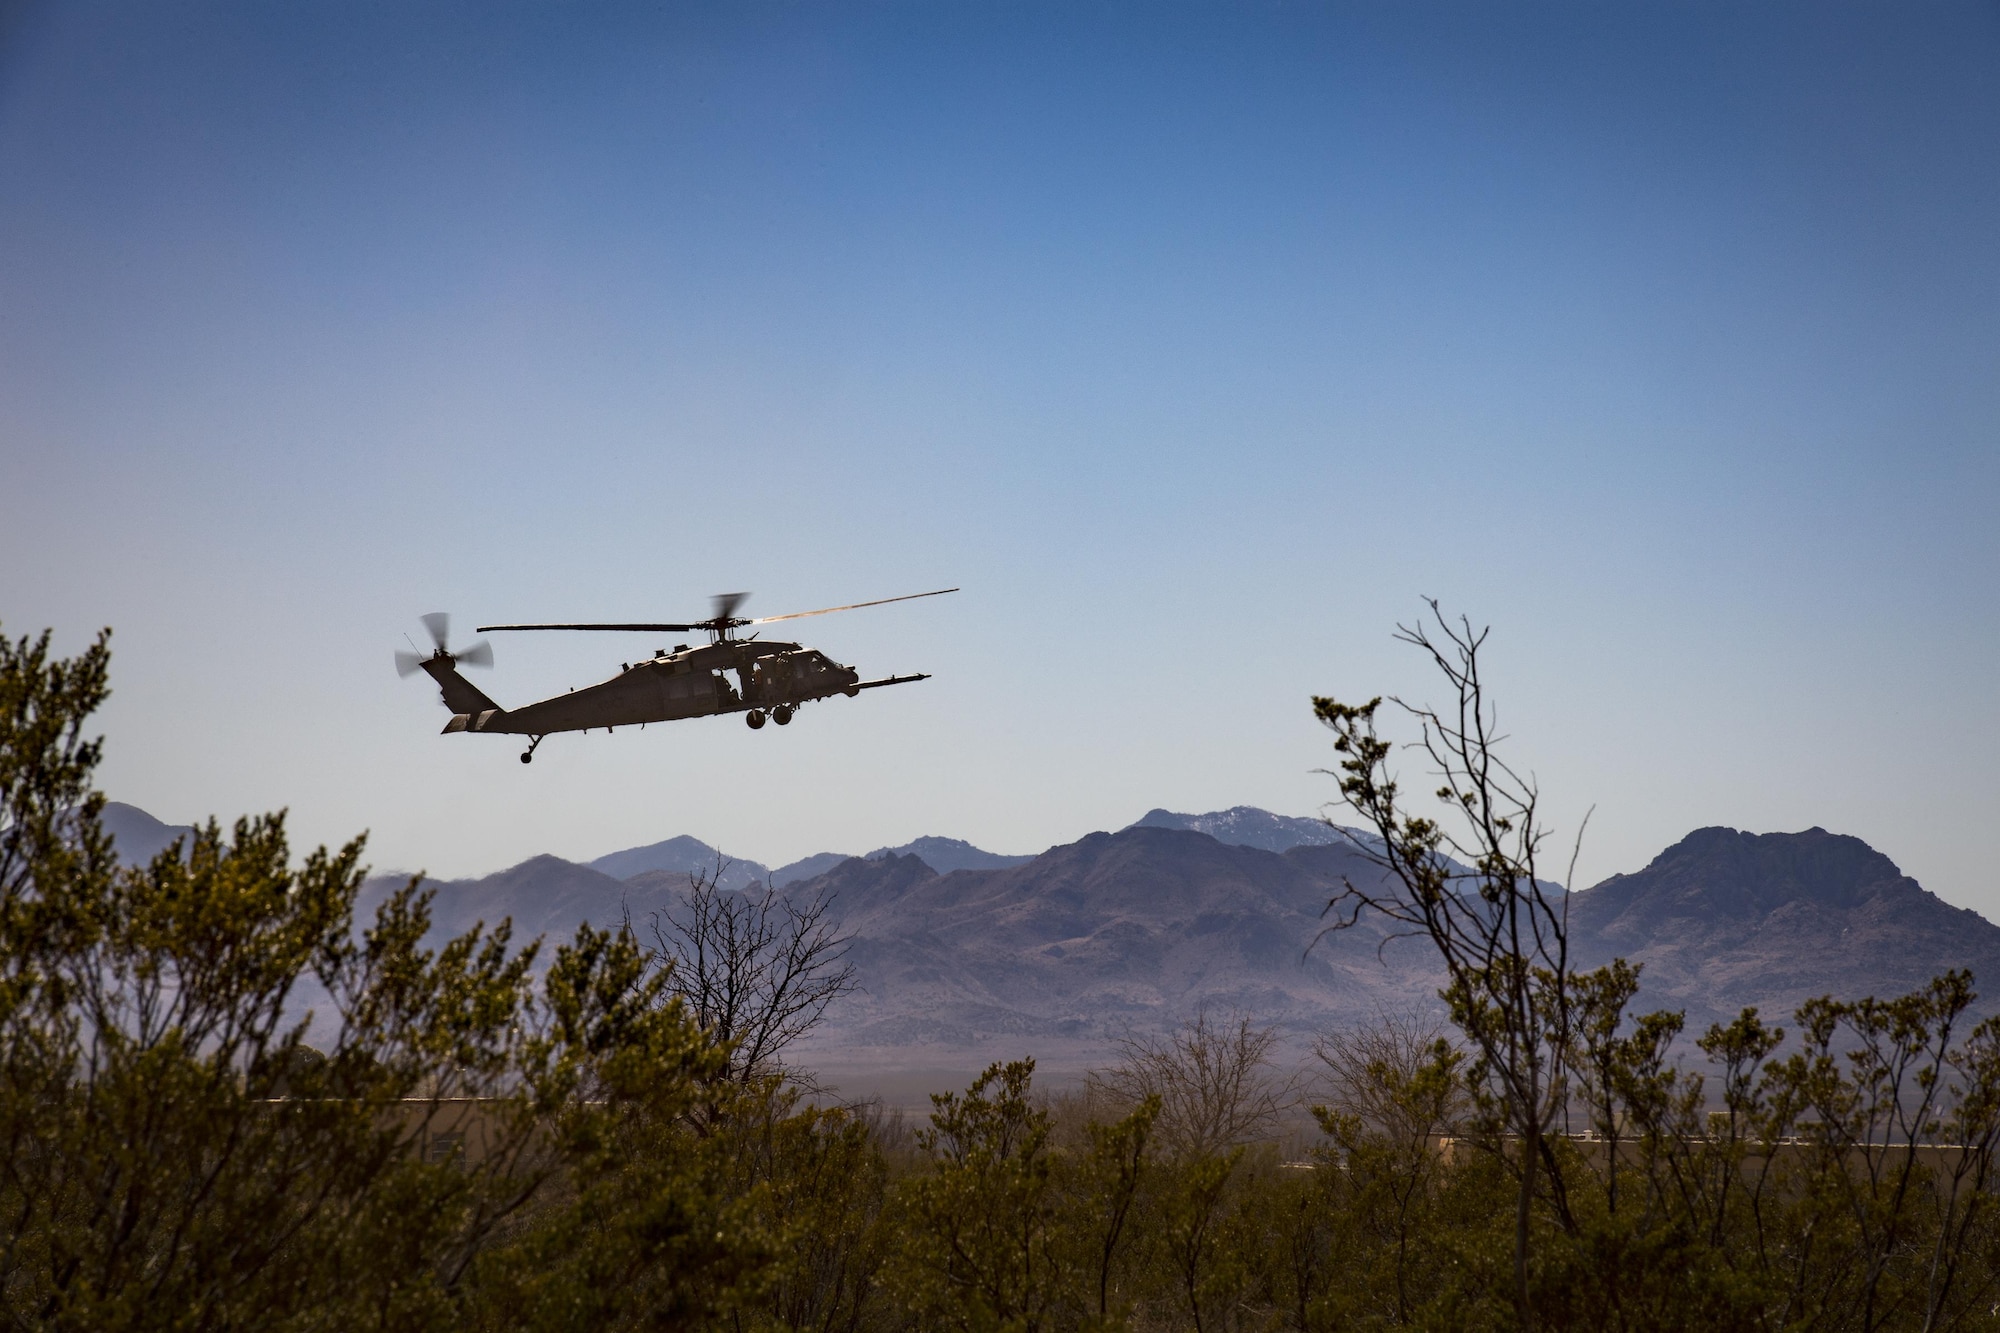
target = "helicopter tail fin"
x: 460, y: 694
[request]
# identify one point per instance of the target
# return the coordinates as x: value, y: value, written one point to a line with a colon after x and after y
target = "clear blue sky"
x: 1196, y: 342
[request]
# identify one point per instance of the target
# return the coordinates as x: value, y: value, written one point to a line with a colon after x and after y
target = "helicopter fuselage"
x: 732, y: 676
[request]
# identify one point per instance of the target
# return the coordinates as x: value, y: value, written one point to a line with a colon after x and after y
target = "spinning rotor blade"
x: 664, y: 629
x: 479, y: 654
x: 439, y: 624
x: 852, y: 606
x: 406, y: 663
x: 725, y: 616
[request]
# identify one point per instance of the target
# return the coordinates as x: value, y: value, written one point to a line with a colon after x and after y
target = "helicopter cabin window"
x: 445, y: 1149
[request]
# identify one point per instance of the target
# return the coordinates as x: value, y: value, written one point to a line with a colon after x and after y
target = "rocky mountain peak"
x: 1247, y: 826
x: 683, y: 856
x: 1727, y: 874
x: 137, y: 837
x: 871, y: 881
x: 1724, y: 918
x: 945, y: 855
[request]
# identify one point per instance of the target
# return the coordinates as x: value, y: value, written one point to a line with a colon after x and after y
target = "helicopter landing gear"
x: 754, y: 718
x: 782, y: 714
x: 528, y: 755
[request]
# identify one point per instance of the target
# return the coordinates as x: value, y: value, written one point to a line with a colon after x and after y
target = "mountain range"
x: 964, y: 955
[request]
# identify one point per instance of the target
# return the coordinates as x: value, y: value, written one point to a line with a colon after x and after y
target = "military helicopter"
x: 772, y: 679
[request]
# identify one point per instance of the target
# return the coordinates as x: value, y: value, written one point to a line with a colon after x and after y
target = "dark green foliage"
x: 983, y: 1246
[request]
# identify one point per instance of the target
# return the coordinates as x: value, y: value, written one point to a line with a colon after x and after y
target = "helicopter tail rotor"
x: 437, y: 624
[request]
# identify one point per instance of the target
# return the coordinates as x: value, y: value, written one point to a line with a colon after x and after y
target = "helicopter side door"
x: 683, y: 690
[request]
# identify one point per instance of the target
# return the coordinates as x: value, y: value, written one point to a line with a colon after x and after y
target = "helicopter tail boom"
x: 460, y: 694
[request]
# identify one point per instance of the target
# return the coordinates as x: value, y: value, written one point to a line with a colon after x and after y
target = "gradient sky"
x: 1197, y: 343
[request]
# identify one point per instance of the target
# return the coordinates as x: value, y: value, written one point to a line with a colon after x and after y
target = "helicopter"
x: 773, y: 679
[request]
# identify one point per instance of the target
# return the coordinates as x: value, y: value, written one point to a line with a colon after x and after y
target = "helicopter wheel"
x: 852, y: 692
x: 527, y: 756
x: 782, y: 714
x: 754, y: 718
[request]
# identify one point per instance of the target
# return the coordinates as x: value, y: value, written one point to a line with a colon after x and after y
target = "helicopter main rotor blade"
x: 479, y: 653
x: 665, y: 629
x: 439, y: 624
x: 852, y: 606
x: 725, y: 604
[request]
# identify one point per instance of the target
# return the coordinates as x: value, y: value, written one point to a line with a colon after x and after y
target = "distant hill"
x: 1126, y: 930
x: 1247, y: 826
x: 136, y: 836
x: 682, y: 856
x: 942, y: 855
x: 807, y: 867
x: 544, y: 895
x: 945, y: 855
x: 1724, y: 919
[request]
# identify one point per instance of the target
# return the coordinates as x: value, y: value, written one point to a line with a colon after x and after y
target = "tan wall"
x: 465, y: 1130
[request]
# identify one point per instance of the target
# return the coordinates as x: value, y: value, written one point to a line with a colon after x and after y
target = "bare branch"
x: 1469, y: 881
x: 756, y: 968
x: 1213, y: 1078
